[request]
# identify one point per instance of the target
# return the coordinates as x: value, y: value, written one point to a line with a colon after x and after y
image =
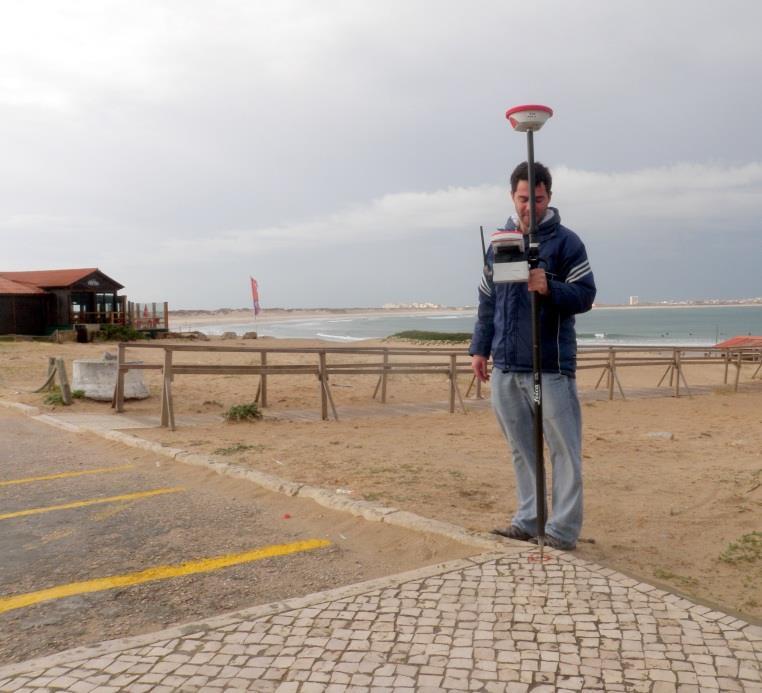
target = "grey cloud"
x: 223, y: 139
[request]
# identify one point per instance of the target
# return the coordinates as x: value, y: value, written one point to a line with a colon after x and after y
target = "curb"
x: 328, y: 499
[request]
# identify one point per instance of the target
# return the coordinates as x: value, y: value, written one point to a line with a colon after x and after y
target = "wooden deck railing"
x: 111, y: 317
x: 386, y: 361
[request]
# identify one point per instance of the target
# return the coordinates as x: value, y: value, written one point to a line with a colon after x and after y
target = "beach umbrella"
x: 528, y: 119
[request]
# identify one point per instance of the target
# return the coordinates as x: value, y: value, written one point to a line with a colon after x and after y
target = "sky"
x: 346, y: 153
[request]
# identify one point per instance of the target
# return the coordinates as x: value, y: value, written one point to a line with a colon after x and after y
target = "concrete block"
x: 97, y: 378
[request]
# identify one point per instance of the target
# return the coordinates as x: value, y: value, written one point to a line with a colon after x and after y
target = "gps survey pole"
x: 528, y: 119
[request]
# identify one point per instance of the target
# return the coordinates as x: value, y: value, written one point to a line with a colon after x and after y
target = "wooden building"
x: 39, y: 302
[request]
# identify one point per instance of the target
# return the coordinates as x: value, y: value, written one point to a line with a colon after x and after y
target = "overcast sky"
x: 345, y: 153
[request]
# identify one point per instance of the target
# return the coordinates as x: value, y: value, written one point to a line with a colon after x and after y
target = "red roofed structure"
x: 39, y: 302
x: 8, y: 286
x: 740, y: 343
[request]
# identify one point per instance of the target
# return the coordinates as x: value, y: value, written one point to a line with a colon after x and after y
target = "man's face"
x: 521, y: 202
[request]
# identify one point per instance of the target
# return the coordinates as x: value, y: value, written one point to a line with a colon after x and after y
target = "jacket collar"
x: 545, y: 228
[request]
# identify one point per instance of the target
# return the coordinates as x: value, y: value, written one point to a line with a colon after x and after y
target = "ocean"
x: 622, y: 326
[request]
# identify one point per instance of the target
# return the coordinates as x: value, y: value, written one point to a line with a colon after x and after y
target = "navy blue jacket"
x: 504, y: 320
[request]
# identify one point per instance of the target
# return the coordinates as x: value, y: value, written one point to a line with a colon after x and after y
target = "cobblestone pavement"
x: 500, y: 622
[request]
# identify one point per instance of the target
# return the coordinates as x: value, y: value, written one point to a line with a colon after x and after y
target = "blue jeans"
x: 513, y: 403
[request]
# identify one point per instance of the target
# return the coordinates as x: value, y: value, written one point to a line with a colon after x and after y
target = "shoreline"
x: 266, y: 317
x: 245, y: 315
x: 677, y: 305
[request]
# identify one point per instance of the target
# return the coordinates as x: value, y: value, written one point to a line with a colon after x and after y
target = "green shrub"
x: 747, y: 549
x: 238, y: 447
x: 119, y: 333
x: 422, y: 336
x: 55, y: 396
x: 243, y: 412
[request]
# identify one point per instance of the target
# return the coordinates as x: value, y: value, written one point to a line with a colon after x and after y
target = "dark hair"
x: 541, y: 175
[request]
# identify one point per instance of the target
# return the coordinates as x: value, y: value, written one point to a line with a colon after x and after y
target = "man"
x: 564, y: 285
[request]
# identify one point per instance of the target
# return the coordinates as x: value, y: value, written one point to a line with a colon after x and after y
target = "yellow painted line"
x: 162, y: 572
x: 94, y: 501
x: 66, y: 475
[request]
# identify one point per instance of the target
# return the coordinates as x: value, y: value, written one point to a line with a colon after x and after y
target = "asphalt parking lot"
x: 100, y: 541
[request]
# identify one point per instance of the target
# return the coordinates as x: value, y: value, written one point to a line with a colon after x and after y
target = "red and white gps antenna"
x: 528, y: 119
x: 525, y: 118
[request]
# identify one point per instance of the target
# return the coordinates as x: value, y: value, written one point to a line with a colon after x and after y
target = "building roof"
x: 8, y: 286
x: 49, y: 279
x: 735, y: 342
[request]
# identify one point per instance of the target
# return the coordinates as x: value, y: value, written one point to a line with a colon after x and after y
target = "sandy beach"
x: 671, y: 484
x: 198, y: 319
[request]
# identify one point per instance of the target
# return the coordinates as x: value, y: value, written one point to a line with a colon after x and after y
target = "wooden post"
x: 48, y: 384
x: 661, y: 380
x: 330, y: 398
x: 51, y: 373
x: 612, y: 370
x: 738, y: 371
x: 452, y: 383
x: 384, y: 376
x: 756, y: 373
x: 263, y: 380
x: 323, y: 391
x: 167, y: 409
x: 615, y: 377
x: 726, y: 357
x: 676, y: 356
x: 679, y: 374
x: 118, y: 399
x: 454, y: 380
x: 64, y: 381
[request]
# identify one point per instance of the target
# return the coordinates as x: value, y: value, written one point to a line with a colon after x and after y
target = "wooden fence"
x: 386, y: 361
x: 674, y: 359
x: 381, y: 361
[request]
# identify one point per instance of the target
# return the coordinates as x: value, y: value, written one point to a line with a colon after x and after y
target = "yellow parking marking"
x: 94, y: 501
x: 162, y: 572
x: 66, y: 475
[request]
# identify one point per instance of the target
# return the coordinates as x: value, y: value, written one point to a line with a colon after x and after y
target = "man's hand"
x: 538, y: 282
x: 479, y: 367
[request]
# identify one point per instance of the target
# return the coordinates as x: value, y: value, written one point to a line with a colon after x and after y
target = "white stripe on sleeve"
x: 484, y: 286
x: 578, y: 272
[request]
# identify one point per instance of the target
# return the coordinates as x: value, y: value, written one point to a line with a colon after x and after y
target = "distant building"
x: 40, y: 302
x: 634, y: 300
x: 417, y: 306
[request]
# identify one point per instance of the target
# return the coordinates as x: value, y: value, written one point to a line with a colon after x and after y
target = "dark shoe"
x: 512, y: 532
x: 553, y: 543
